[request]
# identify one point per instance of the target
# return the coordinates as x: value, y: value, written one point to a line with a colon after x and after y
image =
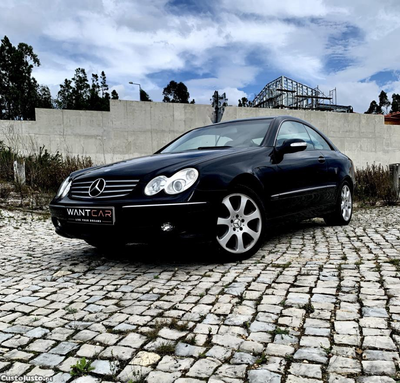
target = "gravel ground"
x: 315, y: 304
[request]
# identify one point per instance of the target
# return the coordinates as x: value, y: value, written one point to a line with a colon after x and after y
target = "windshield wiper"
x: 213, y: 147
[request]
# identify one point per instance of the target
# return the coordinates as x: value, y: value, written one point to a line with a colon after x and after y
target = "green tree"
x: 64, y: 97
x: 81, y: 90
x: 384, y: 102
x: 19, y: 91
x: 103, y: 86
x: 95, y: 102
x: 44, y: 97
x: 176, y: 92
x: 78, y: 94
x: 114, y: 95
x: 395, y: 103
x: 244, y: 103
x: 374, y: 108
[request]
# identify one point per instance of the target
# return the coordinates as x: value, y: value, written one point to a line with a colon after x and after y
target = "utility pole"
x: 219, y: 103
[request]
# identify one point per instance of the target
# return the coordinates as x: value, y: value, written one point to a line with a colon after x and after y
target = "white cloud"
x: 227, y: 48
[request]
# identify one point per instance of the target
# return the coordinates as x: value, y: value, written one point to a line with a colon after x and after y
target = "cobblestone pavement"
x: 315, y: 304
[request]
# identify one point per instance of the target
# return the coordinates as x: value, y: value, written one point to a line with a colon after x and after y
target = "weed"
x: 281, y: 265
x: 152, y: 334
x: 309, y: 308
x: 175, y: 325
x: 44, y: 171
x: 71, y: 310
x: 81, y: 368
x: 203, y: 355
x: 165, y: 349
x: 191, y: 340
x: 5, y: 191
x: 374, y: 184
x: 261, y: 359
x: 289, y: 357
x: 139, y: 378
x: 279, y: 331
x: 394, y: 262
x: 327, y: 350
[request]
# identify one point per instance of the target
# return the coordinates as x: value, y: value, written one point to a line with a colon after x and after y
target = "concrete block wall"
x: 133, y: 129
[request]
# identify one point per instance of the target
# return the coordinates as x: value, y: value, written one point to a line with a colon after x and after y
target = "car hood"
x: 163, y: 163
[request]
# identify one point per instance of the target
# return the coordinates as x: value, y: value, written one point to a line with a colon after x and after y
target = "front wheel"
x: 240, y: 224
x: 343, y: 209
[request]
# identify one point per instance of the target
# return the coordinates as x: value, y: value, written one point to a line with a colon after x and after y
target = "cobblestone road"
x: 315, y: 304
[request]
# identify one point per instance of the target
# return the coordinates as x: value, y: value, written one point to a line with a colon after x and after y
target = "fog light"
x: 167, y: 227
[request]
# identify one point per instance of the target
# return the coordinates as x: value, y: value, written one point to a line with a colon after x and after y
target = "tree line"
x: 20, y: 93
x: 383, y: 104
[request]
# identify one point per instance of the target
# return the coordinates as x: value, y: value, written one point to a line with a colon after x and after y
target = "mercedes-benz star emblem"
x: 97, y: 187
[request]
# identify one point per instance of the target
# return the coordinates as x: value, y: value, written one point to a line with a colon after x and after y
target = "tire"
x: 240, y: 224
x: 344, y: 207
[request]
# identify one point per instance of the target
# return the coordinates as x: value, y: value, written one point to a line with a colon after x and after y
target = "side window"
x: 292, y: 129
x: 318, y: 141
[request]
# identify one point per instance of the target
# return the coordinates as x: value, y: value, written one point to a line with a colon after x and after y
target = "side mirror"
x: 291, y: 146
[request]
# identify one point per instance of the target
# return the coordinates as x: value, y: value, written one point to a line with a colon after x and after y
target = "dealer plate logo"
x: 97, y: 187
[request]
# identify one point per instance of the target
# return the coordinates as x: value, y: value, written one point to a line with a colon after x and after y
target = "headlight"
x: 155, y: 185
x: 178, y: 183
x: 64, y: 188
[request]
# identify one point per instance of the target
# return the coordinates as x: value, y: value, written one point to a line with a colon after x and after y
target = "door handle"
x: 321, y: 159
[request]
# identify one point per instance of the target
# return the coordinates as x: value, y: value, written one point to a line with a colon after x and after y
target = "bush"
x: 44, y: 171
x: 7, y: 158
x: 374, y: 184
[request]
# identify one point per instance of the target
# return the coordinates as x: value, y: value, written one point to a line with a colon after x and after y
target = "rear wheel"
x: 344, y: 207
x: 240, y: 223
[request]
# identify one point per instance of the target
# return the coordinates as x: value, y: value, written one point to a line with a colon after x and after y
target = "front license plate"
x: 91, y: 215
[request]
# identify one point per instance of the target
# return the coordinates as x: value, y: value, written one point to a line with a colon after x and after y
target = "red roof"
x: 392, y: 118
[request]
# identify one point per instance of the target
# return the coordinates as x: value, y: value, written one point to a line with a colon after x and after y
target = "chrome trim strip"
x: 102, y: 196
x: 302, y: 190
x: 298, y: 144
x: 165, y: 204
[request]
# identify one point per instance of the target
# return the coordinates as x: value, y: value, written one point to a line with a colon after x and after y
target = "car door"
x: 330, y: 156
x: 300, y: 176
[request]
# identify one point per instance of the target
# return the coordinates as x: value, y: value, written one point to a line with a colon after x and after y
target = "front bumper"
x: 140, y: 222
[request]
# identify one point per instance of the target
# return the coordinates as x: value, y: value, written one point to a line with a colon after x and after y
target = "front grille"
x: 113, y: 189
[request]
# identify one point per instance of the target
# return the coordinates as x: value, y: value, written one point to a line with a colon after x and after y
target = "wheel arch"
x: 250, y: 181
x: 349, y: 180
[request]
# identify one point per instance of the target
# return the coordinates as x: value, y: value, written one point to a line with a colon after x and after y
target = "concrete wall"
x: 133, y: 129
x: 130, y: 129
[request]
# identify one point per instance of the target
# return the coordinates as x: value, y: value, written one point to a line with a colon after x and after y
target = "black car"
x: 226, y: 182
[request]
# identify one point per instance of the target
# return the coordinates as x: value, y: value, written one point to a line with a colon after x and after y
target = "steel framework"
x: 290, y: 94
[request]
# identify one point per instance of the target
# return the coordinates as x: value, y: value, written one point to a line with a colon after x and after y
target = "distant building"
x: 285, y: 93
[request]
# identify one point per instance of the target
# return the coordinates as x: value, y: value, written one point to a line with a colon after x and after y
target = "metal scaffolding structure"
x: 290, y: 94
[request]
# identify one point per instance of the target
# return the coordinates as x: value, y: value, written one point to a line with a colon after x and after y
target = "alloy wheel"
x: 239, y: 223
x: 346, y: 204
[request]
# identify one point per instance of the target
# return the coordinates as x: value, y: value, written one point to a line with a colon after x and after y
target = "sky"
x: 233, y: 46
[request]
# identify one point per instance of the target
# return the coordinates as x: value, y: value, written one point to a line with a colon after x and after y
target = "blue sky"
x: 233, y: 46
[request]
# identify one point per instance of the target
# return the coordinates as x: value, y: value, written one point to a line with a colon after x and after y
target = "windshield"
x: 242, y: 134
